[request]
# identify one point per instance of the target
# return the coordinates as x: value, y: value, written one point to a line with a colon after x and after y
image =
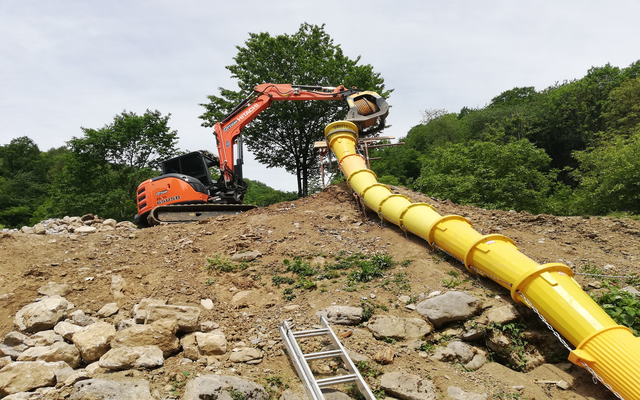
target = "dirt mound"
x: 170, y: 262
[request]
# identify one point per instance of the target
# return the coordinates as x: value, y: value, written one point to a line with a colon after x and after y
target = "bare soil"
x: 170, y: 262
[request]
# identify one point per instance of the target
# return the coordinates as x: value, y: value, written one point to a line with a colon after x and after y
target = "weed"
x: 367, y: 309
x: 222, y: 264
x: 366, y: 370
x: 427, y: 347
x: 623, y: 307
x: 236, y: 395
x: 591, y: 269
x: 277, y: 280
x: 304, y: 283
x: 515, y: 331
x: 388, y: 339
x: 210, y: 282
x: 300, y: 267
x: 288, y: 294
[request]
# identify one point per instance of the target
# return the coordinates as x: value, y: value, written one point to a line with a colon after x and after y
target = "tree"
x: 283, y: 135
x: 105, y: 166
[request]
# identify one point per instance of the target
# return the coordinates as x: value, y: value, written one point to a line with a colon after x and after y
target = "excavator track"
x: 181, y: 213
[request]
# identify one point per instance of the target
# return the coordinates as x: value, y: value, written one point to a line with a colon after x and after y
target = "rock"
x: 66, y: 329
x: 118, y: 284
x: 80, y: 318
x: 159, y: 333
x: 209, y: 326
x: 53, y: 289
x: 108, y: 310
x: 42, y: 315
x: 85, y: 229
x: 140, y: 310
x: 449, y: 307
x: 94, y: 389
x: 27, y: 229
x: 213, y: 343
x: 125, y: 323
x: 190, y: 347
x: 22, y: 376
x: 220, y: 386
x: 132, y: 357
x: 384, y: 356
x: 56, y: 352
x: 499, y: 315
x: 246, y: 354
x: 407, y: 387
x: 333, y: 394
x: 454, y: 352
x: 94, y: 340
x: 4, y: 361
x: 207, y: 304
x: 240, y: 298
x: 398, y: 328
x: 38, y: 229
x: 458, y: 394
x: 632, y: 290
x: 186, y: 316
x: 43, y: 338
x: 109, y: 222
x: 507, y: 350
x: 564, y: 385
x: 476, y: 362
x: 246, y: 256
x: 357, y: 357
x: 13, y: 345
x: 341, y: 315
x: 77, y: 376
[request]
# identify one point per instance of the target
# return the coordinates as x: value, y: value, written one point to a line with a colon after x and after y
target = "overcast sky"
x: 66, y: 64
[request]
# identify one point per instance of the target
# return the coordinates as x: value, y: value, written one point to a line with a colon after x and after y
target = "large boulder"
x: 132, y: 357
x: 186, y: 316
x: 41, y: 315
x: 220, y: 387
x: 398, y: 328
x: 160, y: 333
x: 13, y: 345
x: 449, y: 307
x: 58, y: 351
x: 94, y: 340
x: 94, y: 389
x: 22, y: 376
x: 212, y: 343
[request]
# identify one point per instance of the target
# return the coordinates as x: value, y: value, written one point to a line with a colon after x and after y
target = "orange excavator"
x: 186, y: 192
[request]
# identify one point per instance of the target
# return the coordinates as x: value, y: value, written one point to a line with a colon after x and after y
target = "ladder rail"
x: 299, y: 359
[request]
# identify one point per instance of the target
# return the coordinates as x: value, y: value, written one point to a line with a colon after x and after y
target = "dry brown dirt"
x: 169, y: 262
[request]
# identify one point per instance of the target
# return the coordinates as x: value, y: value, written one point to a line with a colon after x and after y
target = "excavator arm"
x: 367, y: 110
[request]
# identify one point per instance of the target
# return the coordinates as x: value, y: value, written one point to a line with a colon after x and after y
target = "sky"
x: 67, y: 64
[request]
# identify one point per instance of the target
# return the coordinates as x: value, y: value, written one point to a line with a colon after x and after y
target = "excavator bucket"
x: 368, y: 110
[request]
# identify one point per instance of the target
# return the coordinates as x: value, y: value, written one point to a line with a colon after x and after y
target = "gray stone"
x: 246, y: 354
x: 408, y: 387
x: 476, y: 362
x: 398, y: 328
x: 80, y: 318
x: 13, y: 344
x: 186, y: 316
x: 454, y: 352
x: 333, y: 394
x: 108, y: 310
x: 458, y: 394
x: 341, y: 315
x: 449, y: 307
x: 632, y: 290
x: 52, y: 289
x: 22, y: 376
x: 42, y: 315
x: 94, y: 389
x: 94, y: 340
x: 132, y: 357
x: 246, y: 256
x: 220, y: 386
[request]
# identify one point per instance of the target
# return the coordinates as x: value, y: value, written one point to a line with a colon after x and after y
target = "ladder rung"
x: 336, y: 379
x: 315, y: 332
x: 323, y: 354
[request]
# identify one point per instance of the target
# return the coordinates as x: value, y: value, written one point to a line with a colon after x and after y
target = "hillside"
x: 170, y: 263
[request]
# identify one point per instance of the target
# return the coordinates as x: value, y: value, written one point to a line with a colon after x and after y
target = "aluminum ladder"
x: 311, y: 385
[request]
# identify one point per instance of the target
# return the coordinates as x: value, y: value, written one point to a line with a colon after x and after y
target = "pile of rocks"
x: 57, y: 347
x: 88, y: 223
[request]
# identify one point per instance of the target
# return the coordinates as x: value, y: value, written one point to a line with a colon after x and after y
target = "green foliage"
x: 222, y: 264
x: 105, y: 166
x: 300, y: 267
x: 507, y: 176
x: 367, y: 370
x: 262, y: 195
x: 623, y: 307
x: 308, y: 57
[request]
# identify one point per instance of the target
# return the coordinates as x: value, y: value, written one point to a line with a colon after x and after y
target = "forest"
x: 569, y: 149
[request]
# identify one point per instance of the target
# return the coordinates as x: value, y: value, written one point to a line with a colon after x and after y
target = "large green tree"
x: 283, y: 135
x: 105, y: 166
